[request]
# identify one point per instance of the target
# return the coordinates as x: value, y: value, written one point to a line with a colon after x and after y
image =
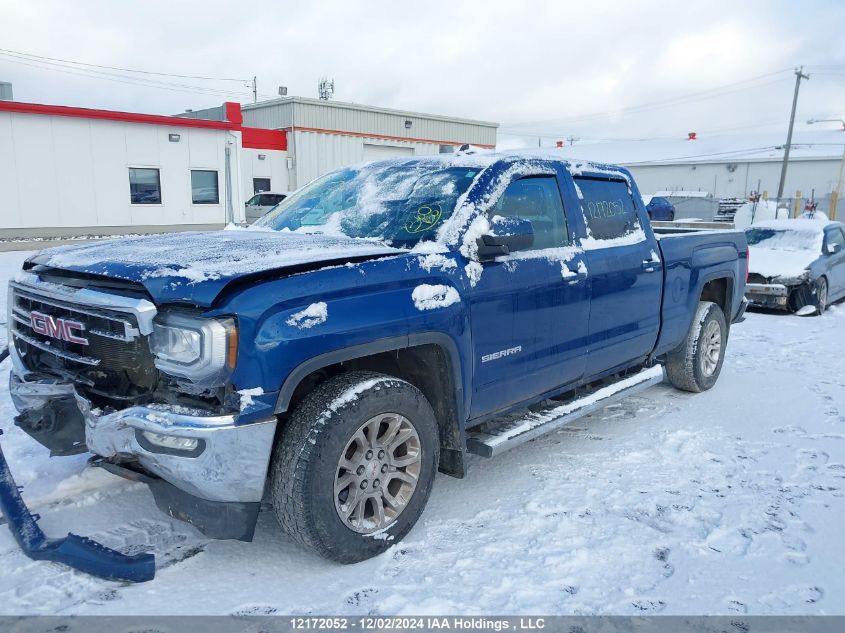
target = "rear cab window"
x: 609, y: 209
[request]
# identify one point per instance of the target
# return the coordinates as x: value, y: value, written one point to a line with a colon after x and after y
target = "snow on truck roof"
x: 481, y: 159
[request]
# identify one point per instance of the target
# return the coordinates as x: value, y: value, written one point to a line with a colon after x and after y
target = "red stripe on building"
x: 111, y: 115
x: 259, y: 138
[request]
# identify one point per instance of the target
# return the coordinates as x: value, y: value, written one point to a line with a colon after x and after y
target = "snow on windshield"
x: 788, y: 239
x: 401, y: 203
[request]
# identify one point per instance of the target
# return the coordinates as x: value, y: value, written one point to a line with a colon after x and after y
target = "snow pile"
x: 763, y: 211
x: 315, y: 314
x: 247, y: 396
x: 428, y: 297
x: 437, y: 260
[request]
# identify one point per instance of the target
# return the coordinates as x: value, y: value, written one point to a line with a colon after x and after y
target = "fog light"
x: 171, y: 442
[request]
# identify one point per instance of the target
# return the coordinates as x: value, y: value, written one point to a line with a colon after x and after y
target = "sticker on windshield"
x: 425, y: 218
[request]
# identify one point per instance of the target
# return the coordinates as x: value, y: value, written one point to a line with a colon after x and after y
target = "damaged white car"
x: 796, y: 265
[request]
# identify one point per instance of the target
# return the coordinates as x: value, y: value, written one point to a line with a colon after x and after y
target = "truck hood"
x: 195, y: 267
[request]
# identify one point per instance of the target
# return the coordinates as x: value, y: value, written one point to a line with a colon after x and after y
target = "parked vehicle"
x: 659, y: 208
x: 796, y: 265
x: 371, y: 330
x: 261, y: 203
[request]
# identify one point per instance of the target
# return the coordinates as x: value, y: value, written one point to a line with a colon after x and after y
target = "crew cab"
x: 372, y: 329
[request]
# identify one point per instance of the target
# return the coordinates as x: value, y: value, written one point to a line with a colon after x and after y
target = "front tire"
x: 696, y: 363
x: 354, y: 466
x: 821, y: 295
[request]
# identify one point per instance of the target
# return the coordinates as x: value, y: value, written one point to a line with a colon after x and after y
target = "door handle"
x: 649, y: 265
x: 576, y: 278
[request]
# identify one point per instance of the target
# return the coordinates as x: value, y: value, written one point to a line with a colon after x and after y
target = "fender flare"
x: 378, y: 346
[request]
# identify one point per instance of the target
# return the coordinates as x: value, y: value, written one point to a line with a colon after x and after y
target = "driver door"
x: 529, y: 310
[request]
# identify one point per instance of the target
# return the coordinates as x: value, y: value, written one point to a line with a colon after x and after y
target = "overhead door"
x: 380, y: 152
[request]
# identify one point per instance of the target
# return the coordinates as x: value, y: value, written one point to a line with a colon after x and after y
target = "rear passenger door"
x: 836, y: 261
x: 529, y: 310
x: 626, y: 274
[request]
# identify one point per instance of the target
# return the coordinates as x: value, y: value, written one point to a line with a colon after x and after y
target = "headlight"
x: 201, y: 350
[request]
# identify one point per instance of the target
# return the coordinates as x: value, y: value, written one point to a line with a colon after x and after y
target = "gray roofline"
x: 365, y: 108
x: 770, y: 159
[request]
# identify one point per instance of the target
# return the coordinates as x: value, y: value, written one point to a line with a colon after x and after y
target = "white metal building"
x: 327, y: 135
x: 77, y: 171
x: 67, y: 171
x: 728, y: 166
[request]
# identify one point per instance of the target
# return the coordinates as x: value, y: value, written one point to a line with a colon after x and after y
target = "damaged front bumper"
x: 206, y: 470
x: 773, y: 296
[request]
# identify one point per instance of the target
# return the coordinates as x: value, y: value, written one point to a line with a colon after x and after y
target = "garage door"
x: 379, y: 152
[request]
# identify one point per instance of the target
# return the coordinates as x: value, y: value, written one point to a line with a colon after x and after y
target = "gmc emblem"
x: 56, y: 327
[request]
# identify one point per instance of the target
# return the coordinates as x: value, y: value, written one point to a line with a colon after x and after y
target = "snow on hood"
x: 770, y: 262
x: 188, y: 266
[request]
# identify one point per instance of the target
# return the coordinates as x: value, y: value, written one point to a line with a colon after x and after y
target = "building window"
x: 144, y: 186
x: 260, y: 184
x: 204, y: 187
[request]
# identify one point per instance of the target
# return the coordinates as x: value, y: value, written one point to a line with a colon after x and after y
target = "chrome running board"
x: 495, y: 437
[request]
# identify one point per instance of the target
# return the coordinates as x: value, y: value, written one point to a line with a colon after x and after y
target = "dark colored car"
x: 660, y: 209
x: 796, y: 265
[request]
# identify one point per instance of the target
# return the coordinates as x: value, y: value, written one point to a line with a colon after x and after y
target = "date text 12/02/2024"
x: 417, y: 623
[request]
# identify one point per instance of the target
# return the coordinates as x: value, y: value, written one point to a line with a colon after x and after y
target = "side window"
x: 608, y: 207
x: 536, y: 199
x: 835, y: 236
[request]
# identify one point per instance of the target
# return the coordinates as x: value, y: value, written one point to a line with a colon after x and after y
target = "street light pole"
x: 799, y: 75
x: 835, y: 201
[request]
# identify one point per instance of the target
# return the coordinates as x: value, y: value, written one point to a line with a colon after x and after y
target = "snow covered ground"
x: 725, y: 502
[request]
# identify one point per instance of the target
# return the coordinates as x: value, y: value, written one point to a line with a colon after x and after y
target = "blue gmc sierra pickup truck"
x: 374, y: 328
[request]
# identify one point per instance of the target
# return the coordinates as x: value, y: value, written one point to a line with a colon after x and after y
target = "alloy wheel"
x: 377, y: 473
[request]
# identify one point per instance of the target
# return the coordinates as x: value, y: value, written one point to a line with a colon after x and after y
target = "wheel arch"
x: 429, y: 360
x: 719, y: 289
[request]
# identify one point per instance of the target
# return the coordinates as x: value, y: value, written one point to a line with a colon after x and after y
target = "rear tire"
x: 335, y: 481
x: 696, y: 363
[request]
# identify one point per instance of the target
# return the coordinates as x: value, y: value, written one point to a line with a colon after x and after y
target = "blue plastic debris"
x: 75, y: 551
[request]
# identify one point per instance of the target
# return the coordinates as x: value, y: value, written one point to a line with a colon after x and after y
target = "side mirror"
x: 508, y: 235
x: 832, y: 249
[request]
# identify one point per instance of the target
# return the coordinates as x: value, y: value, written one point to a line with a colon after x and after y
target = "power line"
x: 55, y: 67
x: 710, y: 93
x: 127, y: 70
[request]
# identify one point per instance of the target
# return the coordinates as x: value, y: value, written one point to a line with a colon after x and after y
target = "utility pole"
x: 799, y: 75
x: 255, y: 91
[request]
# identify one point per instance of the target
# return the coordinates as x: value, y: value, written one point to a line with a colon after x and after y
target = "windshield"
x: 401, y: 203
x: 784, y: 239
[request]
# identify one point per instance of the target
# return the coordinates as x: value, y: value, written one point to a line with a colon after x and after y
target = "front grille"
x: 755, y: 278
x: 106, y: 354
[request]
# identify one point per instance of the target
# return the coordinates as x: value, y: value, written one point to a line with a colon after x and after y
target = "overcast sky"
x: 540, y: 69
